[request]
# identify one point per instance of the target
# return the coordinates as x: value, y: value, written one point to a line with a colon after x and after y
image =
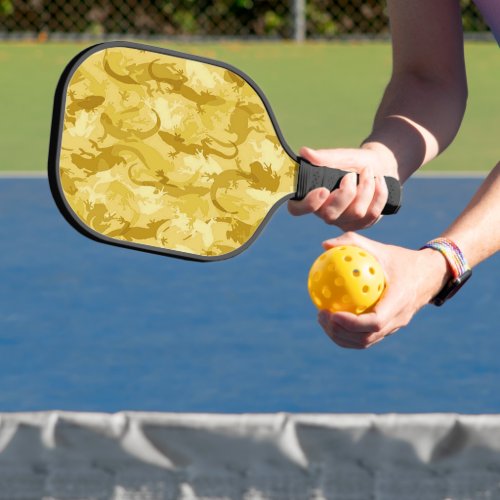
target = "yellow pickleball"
x: 346, y: 278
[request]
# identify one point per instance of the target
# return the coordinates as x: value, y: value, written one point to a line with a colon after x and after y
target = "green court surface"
x: 323, y: 95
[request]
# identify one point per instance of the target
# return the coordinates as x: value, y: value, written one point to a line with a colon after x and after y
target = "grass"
x: 323, y: 95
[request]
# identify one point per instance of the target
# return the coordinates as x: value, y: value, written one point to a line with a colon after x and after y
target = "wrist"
x: 437, y: 274
x: 386, y: 156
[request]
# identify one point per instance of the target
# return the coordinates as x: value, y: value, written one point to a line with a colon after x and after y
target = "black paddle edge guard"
x: 53, y: 167
x: 312, y: 177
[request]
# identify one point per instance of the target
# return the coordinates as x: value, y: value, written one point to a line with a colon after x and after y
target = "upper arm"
x: 427, y: 40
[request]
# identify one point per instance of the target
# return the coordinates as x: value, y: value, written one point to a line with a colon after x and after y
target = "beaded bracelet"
x: 460, y: 269
x: 452, y: 254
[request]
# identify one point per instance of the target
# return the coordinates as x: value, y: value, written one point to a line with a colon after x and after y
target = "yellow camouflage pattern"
x: 169, y: 152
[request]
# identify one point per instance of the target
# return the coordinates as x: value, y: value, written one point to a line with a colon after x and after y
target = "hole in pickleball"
x: 356, y: 273
x: 372, y: 270
x: 346, y: 299
x: 348, y: 258
x: 330, y: 268
x: 339, y: 281
x: 366, y: 289
x: 363, y: 254
x: 317, y: 276
x: 326, y: 292
x: 379, y: 287
x: 359, y: 310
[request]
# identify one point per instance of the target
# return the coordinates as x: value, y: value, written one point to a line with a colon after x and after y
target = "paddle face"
x: 165, y: 152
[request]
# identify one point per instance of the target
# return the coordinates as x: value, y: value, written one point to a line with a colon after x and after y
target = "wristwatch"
x: 460, y: 270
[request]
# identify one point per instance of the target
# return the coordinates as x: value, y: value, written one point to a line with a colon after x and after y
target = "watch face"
x: 451, y: 288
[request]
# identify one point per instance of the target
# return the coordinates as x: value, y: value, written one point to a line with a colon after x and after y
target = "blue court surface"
x: 91, y: 327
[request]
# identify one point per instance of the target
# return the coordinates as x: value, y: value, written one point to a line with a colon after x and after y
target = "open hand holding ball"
x: 346, y: 278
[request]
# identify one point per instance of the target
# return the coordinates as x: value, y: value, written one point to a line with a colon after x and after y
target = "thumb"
x: 338, y: 157
x: 322, y: 157
x: 349, y: 238
x: 311, y: 155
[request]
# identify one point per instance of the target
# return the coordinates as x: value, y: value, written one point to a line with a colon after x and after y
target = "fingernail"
x: 324, y: 194
x: 346, y: 179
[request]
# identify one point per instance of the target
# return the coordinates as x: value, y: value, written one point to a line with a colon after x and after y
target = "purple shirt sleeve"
x: 490, y: 9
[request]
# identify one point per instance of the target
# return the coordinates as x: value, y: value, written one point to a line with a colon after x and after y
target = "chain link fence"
x: 284, y: 19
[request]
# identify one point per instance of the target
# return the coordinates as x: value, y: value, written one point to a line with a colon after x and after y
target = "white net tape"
x: 160, y: 456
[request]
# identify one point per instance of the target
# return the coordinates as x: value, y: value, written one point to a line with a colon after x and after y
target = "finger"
x: 380, y: 196
x: 338, y: 201
x: 339, y: 335
x: 373, y: 342
x: 311, y: 203
x: 362, y: 340
x: 353, y: 341
x: 362, y: 324
x: 341, y: 340
x: 393, y: 332
x: 349, y: 338
x: 378, y: 323
x: 365, y: 191
x: 365, y: 209
x: 370, y: 204
x: 343, y: 343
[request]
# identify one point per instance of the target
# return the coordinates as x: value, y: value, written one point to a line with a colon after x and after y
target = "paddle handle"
x: 312, y: 177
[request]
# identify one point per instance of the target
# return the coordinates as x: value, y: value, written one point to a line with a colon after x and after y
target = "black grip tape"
x: 312, y: 177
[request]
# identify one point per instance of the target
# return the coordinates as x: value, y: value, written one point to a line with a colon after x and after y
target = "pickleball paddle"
x: 172, y: 153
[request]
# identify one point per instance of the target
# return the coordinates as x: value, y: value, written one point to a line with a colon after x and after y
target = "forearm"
x: 424, y: 103
x: 416, y: 120
x: 477, y: 230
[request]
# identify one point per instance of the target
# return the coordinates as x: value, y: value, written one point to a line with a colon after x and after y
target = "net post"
x: 299, y: 20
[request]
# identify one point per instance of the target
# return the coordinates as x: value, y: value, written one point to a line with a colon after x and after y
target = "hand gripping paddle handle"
x: 312, y: 177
